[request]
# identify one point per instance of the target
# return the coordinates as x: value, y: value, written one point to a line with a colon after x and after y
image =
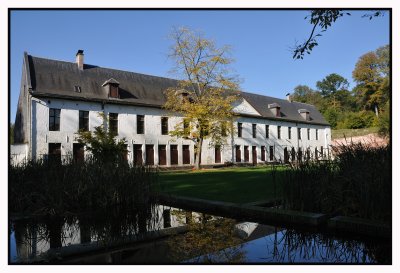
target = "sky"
x: 137, y: 40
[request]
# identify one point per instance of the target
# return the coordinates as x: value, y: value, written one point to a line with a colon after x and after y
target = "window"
x: 262, y: 153
x: 77, y: 89
x: 113, y: 121
x: 54, y: 119
x: 308, y: 133
x: 240, y: 129
x: 279, y: 132
x: 164, y: 126
x: 84, y: 120
x: 271, y: 153
x: 254, y: 127
x: 316, y: 134
x: 267, y: 131
x: 114, y: 91
x: 223, y: 129
x: 140, y: 124
x: 299, y: 133
x: 290, y: 132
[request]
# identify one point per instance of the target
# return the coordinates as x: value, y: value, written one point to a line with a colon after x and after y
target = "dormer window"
x: 184, y: 95
x: 305, y: 114
x: 275, y: 108
x: 112, y: 88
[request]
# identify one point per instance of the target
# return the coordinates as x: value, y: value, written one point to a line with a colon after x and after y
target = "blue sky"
x: 136, y: 40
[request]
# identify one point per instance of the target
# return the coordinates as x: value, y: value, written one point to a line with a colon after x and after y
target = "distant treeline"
x: 366, y: 105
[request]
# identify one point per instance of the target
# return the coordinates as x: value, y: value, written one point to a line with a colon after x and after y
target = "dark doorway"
x: 300, y: 155
x: 174, y: 154
x: 137, y: 154
x: 125, y: 153
x: 185, y: 154
x: 78, y: 151
x: 293, y: 154
x: 262, y: 153
x: 149, y: 154
x: 254, y: 155
x: 54, y: 155
x: 271, y: 153
x: 286, y: 155
x: 162, y: 155
x: 246, y: 153
x: 167, y: 218
x: 238, y: 153
x: 217, y: 154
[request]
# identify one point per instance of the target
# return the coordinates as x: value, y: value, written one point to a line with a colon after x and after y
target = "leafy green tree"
x: 201, y: 97
x: 330, y: 86
x: 372, y: 76
x: 102, y: 143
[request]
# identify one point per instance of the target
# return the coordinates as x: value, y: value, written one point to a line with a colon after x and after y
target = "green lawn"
x: 238, y: 184
x: 353, y: 132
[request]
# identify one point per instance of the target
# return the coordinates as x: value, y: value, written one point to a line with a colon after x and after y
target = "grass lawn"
x: 237, y: 184
x: 353, y: 132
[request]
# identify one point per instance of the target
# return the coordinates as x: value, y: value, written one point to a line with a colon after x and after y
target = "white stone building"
x: 58, y: 98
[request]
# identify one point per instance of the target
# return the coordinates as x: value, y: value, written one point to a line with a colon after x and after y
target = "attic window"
x: 305, y: 114
x: 112, y: 88
x: 77, y: 89
x: 113, y: 91
x: 275, y: 108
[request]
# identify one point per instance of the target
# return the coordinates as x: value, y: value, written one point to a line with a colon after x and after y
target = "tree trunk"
x: 198, y: 153
x: 376, y: 110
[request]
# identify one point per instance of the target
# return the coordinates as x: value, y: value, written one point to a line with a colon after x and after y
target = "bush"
x: 357, y: 120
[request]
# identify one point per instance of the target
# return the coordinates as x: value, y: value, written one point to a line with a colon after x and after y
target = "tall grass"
x: 357, y: 182
x: 45, y: 187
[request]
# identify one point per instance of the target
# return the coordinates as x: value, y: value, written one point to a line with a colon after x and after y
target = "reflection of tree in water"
x: 291, y: 246
x: 34, y: 236
x: 207, y: 240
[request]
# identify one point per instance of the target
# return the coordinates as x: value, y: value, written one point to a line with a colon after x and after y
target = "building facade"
x: 58, y: 98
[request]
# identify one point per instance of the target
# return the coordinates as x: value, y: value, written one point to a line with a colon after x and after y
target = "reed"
x: 43, y: 187
x: 357, y: 182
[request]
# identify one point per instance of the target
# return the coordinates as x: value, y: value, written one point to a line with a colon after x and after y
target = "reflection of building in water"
x: 34, y: 239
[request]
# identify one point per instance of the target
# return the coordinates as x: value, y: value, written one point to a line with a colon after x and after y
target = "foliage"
x: 331, y: 84
x: 372, y: 76
x: 322, y: 19
x: 357, y: 120
x: 45, y: 187
x: 384, y: 122
x: 202, y: 97
x: 356, y: 183
x: 102, y: 143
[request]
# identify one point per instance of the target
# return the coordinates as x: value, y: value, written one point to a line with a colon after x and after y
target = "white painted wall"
x: 41, y: 136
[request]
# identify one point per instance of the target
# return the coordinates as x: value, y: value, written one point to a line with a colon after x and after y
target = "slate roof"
x: 53, y: 78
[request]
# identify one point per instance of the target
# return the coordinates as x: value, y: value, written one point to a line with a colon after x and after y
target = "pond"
x: 172, y: 235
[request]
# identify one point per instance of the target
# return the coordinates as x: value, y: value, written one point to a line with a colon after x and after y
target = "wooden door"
x: 246, y: 153
x: 238, y: 154
x: 149, y: 154
x: 174, y: 154
x: 271, y: 153
x: 254, y: 155
x: 262, y: 153
x: 217, y: 154
x: 54, y: 154
x: 286, y: 155
x: 162, y: 155
x: 185, y: 154
x: 137, y: 154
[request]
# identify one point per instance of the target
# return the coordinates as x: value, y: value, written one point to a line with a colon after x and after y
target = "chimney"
x: 79, y: 59
x: 288, y: 97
